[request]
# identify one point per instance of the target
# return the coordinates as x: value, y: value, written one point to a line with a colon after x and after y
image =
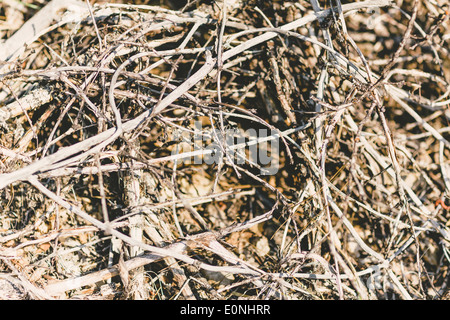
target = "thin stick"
x: 95, y: 25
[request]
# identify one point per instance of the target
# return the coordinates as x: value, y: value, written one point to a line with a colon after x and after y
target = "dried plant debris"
x: 238, y: 149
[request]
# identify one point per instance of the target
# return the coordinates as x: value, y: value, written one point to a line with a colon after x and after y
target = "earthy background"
x: 96, y: 202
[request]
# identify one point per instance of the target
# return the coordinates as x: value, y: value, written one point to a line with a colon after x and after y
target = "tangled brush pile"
x: 237, y: 149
